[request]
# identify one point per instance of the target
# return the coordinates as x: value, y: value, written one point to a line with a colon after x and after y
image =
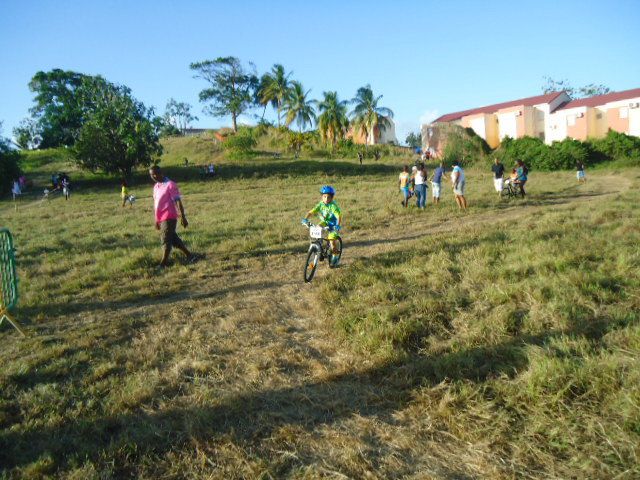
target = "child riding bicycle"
x: 329, y: 214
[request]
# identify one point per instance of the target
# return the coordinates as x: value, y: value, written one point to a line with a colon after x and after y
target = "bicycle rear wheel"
x: 310, y: 266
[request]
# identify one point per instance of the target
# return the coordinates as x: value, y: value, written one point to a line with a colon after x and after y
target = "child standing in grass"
x: 580, y: 172
x: 403, y: 182
x: 126, y: 197
x: 66, y: 187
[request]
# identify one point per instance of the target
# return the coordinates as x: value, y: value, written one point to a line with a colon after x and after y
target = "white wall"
x: 477, y: 124
x: 633, y: 113
x: 634, y: 121
x: 387, y: 135
x: 560, y: 120
x: 507, y: 125
x: 547, y: 109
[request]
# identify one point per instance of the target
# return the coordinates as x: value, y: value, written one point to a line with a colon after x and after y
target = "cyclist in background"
x: 329, y: 214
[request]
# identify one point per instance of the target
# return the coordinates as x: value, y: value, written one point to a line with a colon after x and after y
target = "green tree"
x: 178, y: 115
x: 232, y: 87
x: 275, y: 88
x: 367, y: 115
x: 118, y: 133
x: 414, y: 140
x: 332, y: 119
x: 58, y: 110
x: 27, y: 134
x: 298, y: 107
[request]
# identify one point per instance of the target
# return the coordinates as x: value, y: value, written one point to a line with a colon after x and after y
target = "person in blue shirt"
x: 458, y: 182
x: 522, y: 173
x: 436, y: 183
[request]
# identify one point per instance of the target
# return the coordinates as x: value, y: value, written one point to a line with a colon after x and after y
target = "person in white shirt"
x: 420, y: 186
x: 458, y: 182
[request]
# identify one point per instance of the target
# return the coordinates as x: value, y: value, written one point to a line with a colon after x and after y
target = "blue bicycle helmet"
x: 328, y: 189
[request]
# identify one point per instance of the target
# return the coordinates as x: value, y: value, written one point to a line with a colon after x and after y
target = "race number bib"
x: 315, y: 232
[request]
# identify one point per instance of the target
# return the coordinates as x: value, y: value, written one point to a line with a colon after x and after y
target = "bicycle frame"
x: 323, y: 244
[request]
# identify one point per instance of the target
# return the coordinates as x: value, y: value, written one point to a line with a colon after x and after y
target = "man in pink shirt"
x: 165, y: 198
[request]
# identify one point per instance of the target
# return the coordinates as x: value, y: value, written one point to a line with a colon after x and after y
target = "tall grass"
x: 497, y: 343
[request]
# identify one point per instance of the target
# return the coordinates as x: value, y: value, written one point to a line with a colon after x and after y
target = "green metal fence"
x: 8, y: 277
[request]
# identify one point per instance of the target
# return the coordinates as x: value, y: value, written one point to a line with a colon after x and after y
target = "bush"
x: 241, y: 143
x: 464, y: 145
x: 615, y: 146
x: 527, y: 149
x: 564, y: 155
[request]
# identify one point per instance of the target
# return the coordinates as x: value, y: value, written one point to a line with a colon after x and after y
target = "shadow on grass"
x: 66, y: 308
x: 228, y: 171
x: 250, y: 418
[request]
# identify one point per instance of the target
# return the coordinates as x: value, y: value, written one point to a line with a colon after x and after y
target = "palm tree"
x: 332, y: 121
x: 367, y: 115
x: 298, y: 108
x: 275, y: 88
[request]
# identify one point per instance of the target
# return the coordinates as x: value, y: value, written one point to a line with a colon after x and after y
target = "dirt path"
x: 275, y: 320
x: 255, y: 337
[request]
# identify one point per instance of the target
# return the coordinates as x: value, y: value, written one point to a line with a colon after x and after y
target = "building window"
x: 598, y: 116
x: 541, y: 136
x: 624, y: 112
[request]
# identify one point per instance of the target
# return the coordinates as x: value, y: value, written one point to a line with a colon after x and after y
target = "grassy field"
x: 501, y: 342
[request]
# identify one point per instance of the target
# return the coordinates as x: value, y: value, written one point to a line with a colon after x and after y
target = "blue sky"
x: 426, y: 57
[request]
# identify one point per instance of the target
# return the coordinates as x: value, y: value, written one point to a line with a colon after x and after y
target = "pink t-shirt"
x: 165, y: 195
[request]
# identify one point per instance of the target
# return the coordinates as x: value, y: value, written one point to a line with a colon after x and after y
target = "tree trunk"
x: 235, y: 124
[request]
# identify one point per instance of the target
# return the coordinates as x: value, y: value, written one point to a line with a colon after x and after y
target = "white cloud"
x: 403, y: 127
x: 429, y: 116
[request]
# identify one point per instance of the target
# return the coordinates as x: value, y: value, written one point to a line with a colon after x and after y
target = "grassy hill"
x: 498, y: 343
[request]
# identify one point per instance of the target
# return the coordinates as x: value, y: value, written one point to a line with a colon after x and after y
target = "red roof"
x: 530, y: 101
x: 601, y: 99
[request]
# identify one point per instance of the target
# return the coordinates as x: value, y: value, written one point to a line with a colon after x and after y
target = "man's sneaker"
x: 334, y: 260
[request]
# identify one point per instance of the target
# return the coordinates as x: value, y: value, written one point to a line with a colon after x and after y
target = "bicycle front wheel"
x: 310, y: 266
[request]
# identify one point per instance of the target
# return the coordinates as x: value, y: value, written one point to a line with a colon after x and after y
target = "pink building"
x: 550, y: 117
